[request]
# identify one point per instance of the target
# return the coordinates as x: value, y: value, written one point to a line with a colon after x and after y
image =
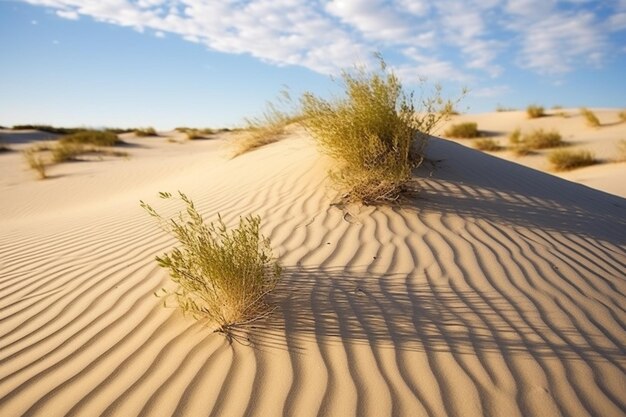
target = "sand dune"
x: 496, y: 290
x: 602, y: 141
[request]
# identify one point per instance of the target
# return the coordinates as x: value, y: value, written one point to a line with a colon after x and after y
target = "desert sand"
x: 602, y: 141
x: 496, y: 290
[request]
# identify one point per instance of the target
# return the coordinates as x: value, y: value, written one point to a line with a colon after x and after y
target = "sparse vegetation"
x: 541, y: 139
x: 622, y: 116
x: 223, y: 276
x: 49, y: 129
x: 564, y: 160
x: 194, y: 134
x: 534, y: 111
x: 147, y: 131
x: 36, y: 161
x: 515, y: 137
x: 68, y: 151
x: 92, y: 137
x: 374, y: 132
x: 487, y: 145
x: 268, y: 128
x: 463, y: 130
x: 590, y: 117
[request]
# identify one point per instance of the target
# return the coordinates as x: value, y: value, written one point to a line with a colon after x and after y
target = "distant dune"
x: 496, y: 290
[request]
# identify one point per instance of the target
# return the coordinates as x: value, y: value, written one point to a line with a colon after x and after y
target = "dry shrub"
x: 92, y: 137
x: 534, y: 111
x: 148, y: 131
x: 374, y: 132
x: 223, y: 275
x: 590, y: 117
x: 36, y: 161
x: 268, y: 128
x: 487, y: 145
x: 463, y: 130
x: 622, y: 116
x: 541, y: 139
x: 564, y: 160
x: 621, y: 150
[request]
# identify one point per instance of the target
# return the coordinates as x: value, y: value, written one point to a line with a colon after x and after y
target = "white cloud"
x: 449, y: 39
x: 68, y: 14
x: 159, y: 34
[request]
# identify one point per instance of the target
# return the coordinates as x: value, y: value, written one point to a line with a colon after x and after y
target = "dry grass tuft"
x: 622, y: 116
x: 592, y: 119
x: 375, y: 133
x: 463, y: 130
x: 487, y: 145
x: 565, y: 160
x: 541, y: 139
x: 223, y: 276
x: 148, y: 131
x: 621, y: 151
x: 36, y: 161
x: 534, y: 111
x: 92, y: 137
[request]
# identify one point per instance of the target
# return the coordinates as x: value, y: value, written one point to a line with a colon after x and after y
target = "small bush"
x: 148, y: 131
x: 622, y: 116
x: 487, y: 145
x: 463, y: 130
x: 375, y: 133
x: 534, y: 111
x: 592, y: 119
x: 564, y: 160
x: 541, y: 139
x: 515, y: 137
x: 223, y: 275
x: 194, y: 134
x: 66, y: 151
x: 92, y: 137
x: 36, y: 161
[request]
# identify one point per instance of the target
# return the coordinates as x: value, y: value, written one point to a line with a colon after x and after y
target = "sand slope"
x: 496, y: 291
x: 602, y: 141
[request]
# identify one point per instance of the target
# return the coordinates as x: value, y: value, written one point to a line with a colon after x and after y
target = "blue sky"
x: 168, y: 63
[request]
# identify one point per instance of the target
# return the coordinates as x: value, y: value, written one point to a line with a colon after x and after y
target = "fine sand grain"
x: 497, y: 290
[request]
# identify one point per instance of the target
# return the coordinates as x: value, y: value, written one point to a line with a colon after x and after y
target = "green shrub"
x: 463, y: 130
x: 92, y: 137
x: 36, y: 161
x: 223, y: 275
x: 592, y: 119
x: 374, y: 133
x: 541, y: 139
x: 148, y: 131
x: 487, y: 145
x: 534, y: 111
x: 66, y: 151
x: 563, y: 160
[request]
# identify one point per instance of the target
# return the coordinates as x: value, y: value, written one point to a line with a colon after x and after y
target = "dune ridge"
x: 496, y: 290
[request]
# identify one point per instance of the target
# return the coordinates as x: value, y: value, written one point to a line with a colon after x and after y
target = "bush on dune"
x: 49, y: 129
x: 590, y: 117
x: 374, y: 132
x: 534, y: 111
x: 465, y: 130
x: 223, y: 275
x: 36, y: 161
x: 147, y: 131
x: 565, y: 160
x: 92, y: 137
x: 487, y: 145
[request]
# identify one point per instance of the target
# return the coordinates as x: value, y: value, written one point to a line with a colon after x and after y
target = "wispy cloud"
x: 449, y: 39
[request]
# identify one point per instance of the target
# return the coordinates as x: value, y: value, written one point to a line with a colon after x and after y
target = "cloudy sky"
x: 212, y: 62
